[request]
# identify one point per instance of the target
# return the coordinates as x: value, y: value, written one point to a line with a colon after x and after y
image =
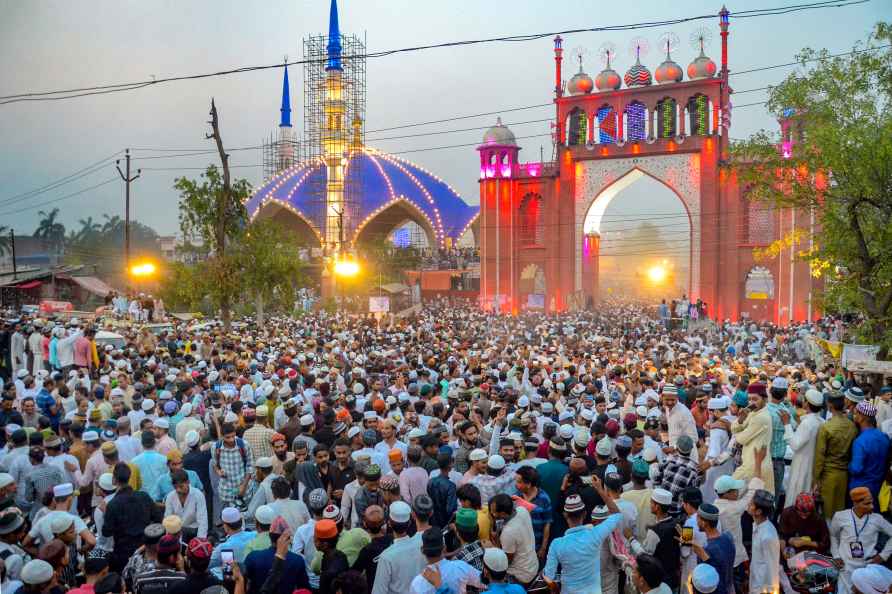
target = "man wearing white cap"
x: 402, y: 561
x: 719, y: 437
x: 260, y: 487
x: 37, y: 576
x: 189, y: 422
x: 163, y: 441
x: 236, y: 539
x: 661, y: 537
x: 58, y: 519
x: 802, y: 441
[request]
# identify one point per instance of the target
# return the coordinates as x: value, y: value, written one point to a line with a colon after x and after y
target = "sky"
x: 57, y: 44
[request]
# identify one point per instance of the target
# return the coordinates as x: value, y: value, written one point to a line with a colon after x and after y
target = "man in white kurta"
x: 802, y: 441
x: 35, y: 345
x: 765, y: 564
x: 853, y: 537
x: 679, y: 417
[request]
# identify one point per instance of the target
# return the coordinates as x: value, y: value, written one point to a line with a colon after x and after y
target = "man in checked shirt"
x: 678, y: 471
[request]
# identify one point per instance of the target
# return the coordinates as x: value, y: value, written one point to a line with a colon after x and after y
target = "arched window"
x: 577, y: 126
x: 531, y: 227
x: 606, y: 125
x: 759, y: 284
x: 698, y: 111
x: 666, y: 118
x: 636, y: 121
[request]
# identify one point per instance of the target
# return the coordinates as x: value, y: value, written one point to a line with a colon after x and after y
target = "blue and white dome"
x: 385, y: 181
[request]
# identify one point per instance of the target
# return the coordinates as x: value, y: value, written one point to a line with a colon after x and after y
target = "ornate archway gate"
x: 675, y: 131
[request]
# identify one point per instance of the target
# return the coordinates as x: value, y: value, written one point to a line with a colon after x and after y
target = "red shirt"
x: 85, y: 589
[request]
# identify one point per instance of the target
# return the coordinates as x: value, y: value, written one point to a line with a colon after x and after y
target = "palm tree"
x: 112, y: 224
x: 49, y: 229
x: 89, y: 229
x: 5, y: 243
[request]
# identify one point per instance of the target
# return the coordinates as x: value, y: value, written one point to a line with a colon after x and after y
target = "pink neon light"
x: 534, y: 169
x: 787, y: 149
x: 506, y: 170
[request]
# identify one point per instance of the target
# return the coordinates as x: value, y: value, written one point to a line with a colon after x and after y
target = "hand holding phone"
x: 687, y: 534
x: 227, y: 559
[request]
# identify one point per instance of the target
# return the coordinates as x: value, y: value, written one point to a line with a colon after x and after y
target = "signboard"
x: 49, y: 306
x: 759, y: 284
x: 883, y: 367
x: 536, y: 300
x: 379, y: 304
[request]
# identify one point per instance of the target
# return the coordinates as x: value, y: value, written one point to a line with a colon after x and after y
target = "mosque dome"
x: 608, y: 79
x: 385, y: 181
x: 499, y: 134
x: 668, y: 71
x: 581, y: 83
x: 701, y: 67
x: 638, y: 75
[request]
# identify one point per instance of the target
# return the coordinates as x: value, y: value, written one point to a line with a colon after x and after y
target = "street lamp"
x: 346, y: 268
x: 143, y: 270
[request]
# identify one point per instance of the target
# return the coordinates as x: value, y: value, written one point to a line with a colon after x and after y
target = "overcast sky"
x: 49, y: 45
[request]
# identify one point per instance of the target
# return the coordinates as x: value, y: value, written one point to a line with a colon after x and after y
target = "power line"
x: 62, y: 180
x: 72, y: 195
x: 119, y: 87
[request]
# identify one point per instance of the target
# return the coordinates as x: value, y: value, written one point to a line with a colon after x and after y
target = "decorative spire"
x: 334, y: 39
x: 285, y: 121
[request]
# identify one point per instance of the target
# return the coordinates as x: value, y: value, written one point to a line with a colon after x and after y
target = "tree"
x: 50, y: 229
x: 839, y: 165
x: 199, y: 204
x: 89, y: 229
x: 268, y: 264
x: 5, y: 243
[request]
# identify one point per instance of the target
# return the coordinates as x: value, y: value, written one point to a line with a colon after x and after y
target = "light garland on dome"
x: 393, y: 201
x: 295, y: 211
x: 439, y: 226
x: 635, y: 120
x: 606, y: 125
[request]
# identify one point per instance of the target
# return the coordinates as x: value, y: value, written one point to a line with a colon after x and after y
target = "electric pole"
x: 127, y: 179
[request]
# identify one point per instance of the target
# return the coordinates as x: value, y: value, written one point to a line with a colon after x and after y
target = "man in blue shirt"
x: 578, y: 552
x: 869, y: 451
x: 720, y: 550
x: 236, y: 541
x: 152, y: 465
x: 259, y: 563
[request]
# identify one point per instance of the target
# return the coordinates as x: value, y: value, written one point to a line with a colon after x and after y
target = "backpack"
x: 240, y: 444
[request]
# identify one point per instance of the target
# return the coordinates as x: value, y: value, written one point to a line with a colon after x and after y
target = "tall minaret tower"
x: 334, y: 138
x: 286, y: 133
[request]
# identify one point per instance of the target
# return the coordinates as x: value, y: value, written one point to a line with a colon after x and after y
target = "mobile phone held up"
x: 687, y: 534
x: 227, y: 559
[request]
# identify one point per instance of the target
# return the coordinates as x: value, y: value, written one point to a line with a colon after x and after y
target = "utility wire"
x: 119, y: 87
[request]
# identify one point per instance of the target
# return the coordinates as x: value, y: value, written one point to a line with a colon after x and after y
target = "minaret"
x: 334, y: 138
x: 286, y: 135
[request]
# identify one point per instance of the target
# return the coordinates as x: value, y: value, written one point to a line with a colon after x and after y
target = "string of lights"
x: 57, y: 95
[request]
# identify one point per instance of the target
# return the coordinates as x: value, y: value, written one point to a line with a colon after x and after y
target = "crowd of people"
x: 449, y: 259
x: 449, y: 452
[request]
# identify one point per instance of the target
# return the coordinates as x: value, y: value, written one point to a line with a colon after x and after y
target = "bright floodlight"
x: 346, y: 268
x: 143, y: 269
x: 656, y: 274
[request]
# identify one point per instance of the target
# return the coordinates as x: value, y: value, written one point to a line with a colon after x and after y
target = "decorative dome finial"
x: 702, y: 66
x: 668, y: 71
x: 638, y: 75
x: 608, y: 79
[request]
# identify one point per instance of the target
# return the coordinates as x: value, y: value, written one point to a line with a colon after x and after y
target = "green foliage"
x: 50, y: 229
x: 5, y: 243
x: 183, y: 287
x: 387, y: 262
x: 841, y: 165
x: 268, y: 263
x: 102, y: 244
x: 215, y: 217
x: 201, y: 219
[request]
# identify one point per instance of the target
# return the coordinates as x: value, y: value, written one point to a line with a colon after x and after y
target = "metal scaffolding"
x: 334, y: 129
x: 280, y: 152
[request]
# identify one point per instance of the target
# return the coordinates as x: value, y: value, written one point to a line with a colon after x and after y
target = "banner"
x: 379, y: 304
